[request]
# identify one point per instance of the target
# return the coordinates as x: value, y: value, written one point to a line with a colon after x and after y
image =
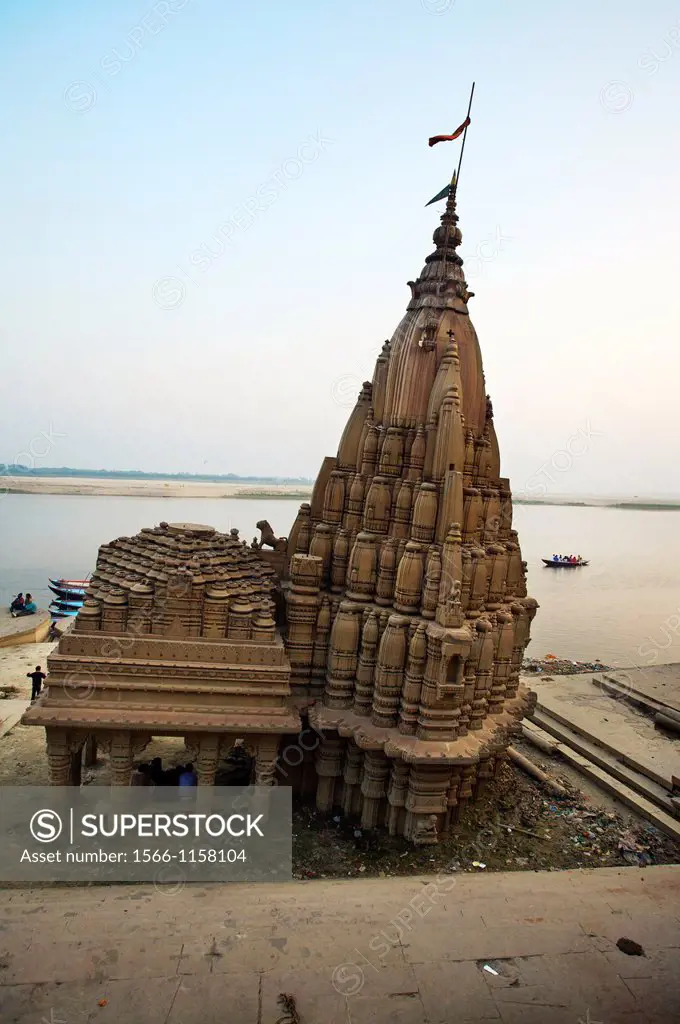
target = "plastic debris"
x: 490, y: 970
x: 478, y: 864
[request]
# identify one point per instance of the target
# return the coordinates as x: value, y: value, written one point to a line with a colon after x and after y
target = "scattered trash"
x: 630, y: 947
x: 490, y: 970
x: 478, y: 864
x: 103, y: 1002
x: 562, y: 666
x: 633, y: 852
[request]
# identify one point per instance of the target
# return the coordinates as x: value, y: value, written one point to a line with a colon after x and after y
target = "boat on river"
x: 557, y: 564
x: 62, y: 609
x: 69, y: 590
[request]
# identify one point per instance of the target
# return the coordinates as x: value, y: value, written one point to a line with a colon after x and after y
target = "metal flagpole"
x: 462, y: 148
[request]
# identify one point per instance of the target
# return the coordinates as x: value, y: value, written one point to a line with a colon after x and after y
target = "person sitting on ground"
x: 17, y: 603
x: 140, y: 775
x: 30, y: 607
x: 37, y: 680
x: 188, y: 776
x: 156, y: 773
x: 172, y: 776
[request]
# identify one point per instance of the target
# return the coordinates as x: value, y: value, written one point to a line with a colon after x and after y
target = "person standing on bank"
x: 37, y: 678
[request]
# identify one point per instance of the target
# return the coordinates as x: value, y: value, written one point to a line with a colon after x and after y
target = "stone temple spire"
x: 409, y: 533
x: 441, y: 283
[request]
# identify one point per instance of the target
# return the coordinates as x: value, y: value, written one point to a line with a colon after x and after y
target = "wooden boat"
x: 59, y: 610
x: 68, y: 589
x: 552, y: 564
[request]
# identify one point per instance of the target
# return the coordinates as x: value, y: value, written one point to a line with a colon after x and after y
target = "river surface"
x: 624, y: 608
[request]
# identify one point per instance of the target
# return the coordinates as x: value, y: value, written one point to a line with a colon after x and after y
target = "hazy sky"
x: 135, y: 132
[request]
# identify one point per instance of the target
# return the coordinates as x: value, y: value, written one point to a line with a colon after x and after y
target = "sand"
x: 150, y: 488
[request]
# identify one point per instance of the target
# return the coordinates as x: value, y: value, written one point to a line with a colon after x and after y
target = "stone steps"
x: 638, y: 798
x: 599, y: 745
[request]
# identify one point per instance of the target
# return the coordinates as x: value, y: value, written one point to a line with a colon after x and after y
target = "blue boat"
x: 69, y: 590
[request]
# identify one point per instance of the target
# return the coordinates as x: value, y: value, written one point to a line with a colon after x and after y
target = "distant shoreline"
x: 141, y: 487
x: 108, y: 487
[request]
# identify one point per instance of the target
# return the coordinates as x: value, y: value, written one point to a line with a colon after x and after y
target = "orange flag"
x: 449, y: 138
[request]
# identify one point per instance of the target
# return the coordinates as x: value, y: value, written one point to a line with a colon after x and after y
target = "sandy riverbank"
x: 128, y: 488
x: 158, y: 488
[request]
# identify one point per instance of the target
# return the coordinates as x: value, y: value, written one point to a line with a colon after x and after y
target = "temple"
x: 392, y: 621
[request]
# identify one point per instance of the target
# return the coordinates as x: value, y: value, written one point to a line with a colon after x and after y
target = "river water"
x: 623, y: 609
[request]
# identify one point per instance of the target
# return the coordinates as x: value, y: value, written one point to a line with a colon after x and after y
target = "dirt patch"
x: 572, y: 832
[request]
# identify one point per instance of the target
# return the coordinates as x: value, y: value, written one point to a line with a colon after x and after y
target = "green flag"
x: 445, y: 192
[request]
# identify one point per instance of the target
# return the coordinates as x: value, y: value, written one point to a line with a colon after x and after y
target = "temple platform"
x: 24, y: 630
x: 515, y: 948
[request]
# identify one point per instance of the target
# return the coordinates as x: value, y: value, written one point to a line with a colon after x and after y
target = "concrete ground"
x: 581, y: 701
x: 25, y: 628
x: 15, y: 662
x: 660, y: 682
x: 399, y: 950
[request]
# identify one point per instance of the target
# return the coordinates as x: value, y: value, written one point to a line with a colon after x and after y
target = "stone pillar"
x: 373, y: 787
x: 328, y: 770
x: 120, y: 758
x: 59, y: 757
x: 352, y: 772
x: 396, y: 797
x: 208, y: 758
x: 265, y: 760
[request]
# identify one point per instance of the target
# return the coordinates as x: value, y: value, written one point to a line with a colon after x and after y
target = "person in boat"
x: 29, y: 608
x: 17, y: 603
x: 555, y: 558
x: 36, y: 678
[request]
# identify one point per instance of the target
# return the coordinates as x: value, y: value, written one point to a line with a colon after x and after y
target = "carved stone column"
x: 208, y: 758
x: 328, y: 769
x: 265, y: 760
x: 122, y: 747
x: 373, y: 786
x: 61, y: 746
x: 396, y: 797
x: 352, y: 772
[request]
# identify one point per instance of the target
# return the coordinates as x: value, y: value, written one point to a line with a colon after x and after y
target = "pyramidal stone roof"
x: 177, y: 566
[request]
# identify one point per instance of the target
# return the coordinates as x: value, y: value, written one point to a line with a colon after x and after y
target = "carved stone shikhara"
x: 402, y: 587
x: 412, y: 524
